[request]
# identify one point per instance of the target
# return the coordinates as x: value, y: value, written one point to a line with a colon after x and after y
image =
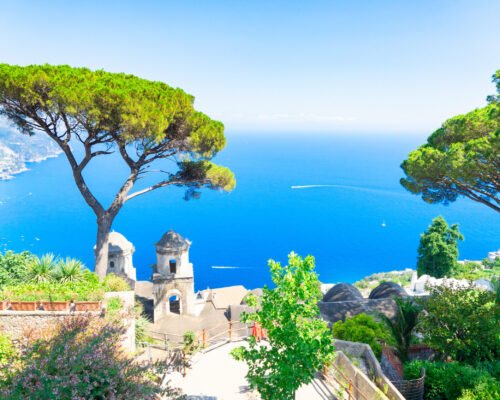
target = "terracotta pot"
x: 55, y: 305
x: 23, y: 305
x: 87, y: 305
x: 3, y: 305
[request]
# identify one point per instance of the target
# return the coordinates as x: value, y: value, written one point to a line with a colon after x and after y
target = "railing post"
x: 350, y: 389
x: 183, y: 363
x: 204, y: 337
x: 230, y: 329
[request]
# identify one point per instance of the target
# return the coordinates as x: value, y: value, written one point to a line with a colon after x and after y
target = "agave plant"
x: 69, y: 270
x: 41, y: 269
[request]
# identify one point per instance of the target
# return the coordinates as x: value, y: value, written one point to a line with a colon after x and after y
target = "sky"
x: 400, y: 67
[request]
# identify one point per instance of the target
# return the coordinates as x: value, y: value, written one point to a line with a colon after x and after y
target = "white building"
x: 120, y: 257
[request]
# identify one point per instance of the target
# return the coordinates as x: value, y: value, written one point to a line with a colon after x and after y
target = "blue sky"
x: 296, y: 66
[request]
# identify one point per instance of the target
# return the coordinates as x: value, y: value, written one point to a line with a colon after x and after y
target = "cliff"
x: 17, y: 151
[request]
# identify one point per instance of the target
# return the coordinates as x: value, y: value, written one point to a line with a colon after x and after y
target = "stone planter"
x: 55, y: 305
x: 23, y: 305
x: 87, y: 306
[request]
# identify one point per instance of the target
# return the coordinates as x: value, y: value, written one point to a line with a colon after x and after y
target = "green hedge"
x: 452, y: 381
x: 90, y: 288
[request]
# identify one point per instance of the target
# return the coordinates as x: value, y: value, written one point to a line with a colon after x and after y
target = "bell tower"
x: 173, y: 279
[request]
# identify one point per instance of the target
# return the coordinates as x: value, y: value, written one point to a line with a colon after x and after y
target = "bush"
x: 449, y: 381
x: 115, y: 304
x: 363, y: 328
x: 13, y: 267
x: 82, y: 360
x: 462, y: 323
x: 189, y: 342
x: 6, y: 350
x: 88, y: 289
x: 115, y: 283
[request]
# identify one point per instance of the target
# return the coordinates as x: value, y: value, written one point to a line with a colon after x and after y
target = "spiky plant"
x: 41, y: 269
x: 69, y: 270
x: 403, y: 325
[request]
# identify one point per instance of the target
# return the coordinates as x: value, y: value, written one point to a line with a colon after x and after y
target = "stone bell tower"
x: 173, y: 280
x: 120, y: 257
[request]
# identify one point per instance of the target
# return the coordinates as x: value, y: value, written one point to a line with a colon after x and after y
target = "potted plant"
x: 88, y: 299
x: 55, y: 297
x: 22, y: 298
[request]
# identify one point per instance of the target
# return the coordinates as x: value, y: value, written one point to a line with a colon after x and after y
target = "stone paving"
x: 215, y: 375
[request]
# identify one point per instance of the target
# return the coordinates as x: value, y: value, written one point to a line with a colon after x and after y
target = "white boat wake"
x: 349, y: 187
x: 226, y: 267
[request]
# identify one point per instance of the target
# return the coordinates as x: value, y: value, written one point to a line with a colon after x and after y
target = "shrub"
x: 115, y: 283
x: 41, y: 269
x: 13, y: 267
x: 403, y: 325
x: 82, y: 360
x: 363, y: 328
x: 189, y: 342
x: 462, y: 323
x: 69, y: 270
x: 6, y: 349
x: 141, y: 331
x: 88, y: 289
x: 115, y: 304
x: 449, y: 381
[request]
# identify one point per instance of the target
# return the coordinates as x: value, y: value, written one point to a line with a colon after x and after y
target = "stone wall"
x: 363, y: 352
x: 22, y: 325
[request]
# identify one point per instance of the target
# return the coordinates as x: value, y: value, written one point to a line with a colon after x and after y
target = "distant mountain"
x: 17, y: 150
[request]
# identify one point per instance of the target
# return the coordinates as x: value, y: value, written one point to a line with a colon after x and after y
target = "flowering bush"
x: 81, y: 360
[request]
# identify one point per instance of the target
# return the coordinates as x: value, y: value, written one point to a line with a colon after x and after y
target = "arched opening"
x: 173, y: 266
x: 112, y: 264
x: 174, y: 303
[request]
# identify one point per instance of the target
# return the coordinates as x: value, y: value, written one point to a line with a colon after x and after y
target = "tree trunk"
x: 101, y: 247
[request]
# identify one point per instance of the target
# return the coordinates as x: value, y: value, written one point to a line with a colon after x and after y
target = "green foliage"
x: 13, y: 267
x: 403, y: 324
x: 141, y: 331
x: 460, y: 159
x: 189, y: 342
x: 41, y: 269
x: 81, y: 360
x: 88, y: 289
x: 69, y: 270
x: 115, y: 283
x: 300, y: 343
x: 438, y: 250
x: 451, y: 381
x: 364, y: 329
x: 462, y: 323
x: 402, y: 278
x: 97, y: 113
x: 114, y: 306
x: 473, y: 271
x: 7, y: 350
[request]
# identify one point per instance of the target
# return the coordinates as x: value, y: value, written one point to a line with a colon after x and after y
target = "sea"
x: 334, y: 196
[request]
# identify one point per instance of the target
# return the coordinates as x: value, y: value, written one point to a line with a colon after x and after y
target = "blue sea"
x: 340, y: 223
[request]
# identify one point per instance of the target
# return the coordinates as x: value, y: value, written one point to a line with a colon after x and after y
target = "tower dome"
x: 120, y: 252
x: 172, y: 241
x: 118, y: 243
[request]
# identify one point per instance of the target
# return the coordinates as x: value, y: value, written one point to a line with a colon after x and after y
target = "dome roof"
x: 342, y: 292
x: 172, y: 240
x: 118, y: 243
x: 387, y: 290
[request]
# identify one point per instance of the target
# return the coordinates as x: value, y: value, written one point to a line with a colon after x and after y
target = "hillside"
x: 17, y: 150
